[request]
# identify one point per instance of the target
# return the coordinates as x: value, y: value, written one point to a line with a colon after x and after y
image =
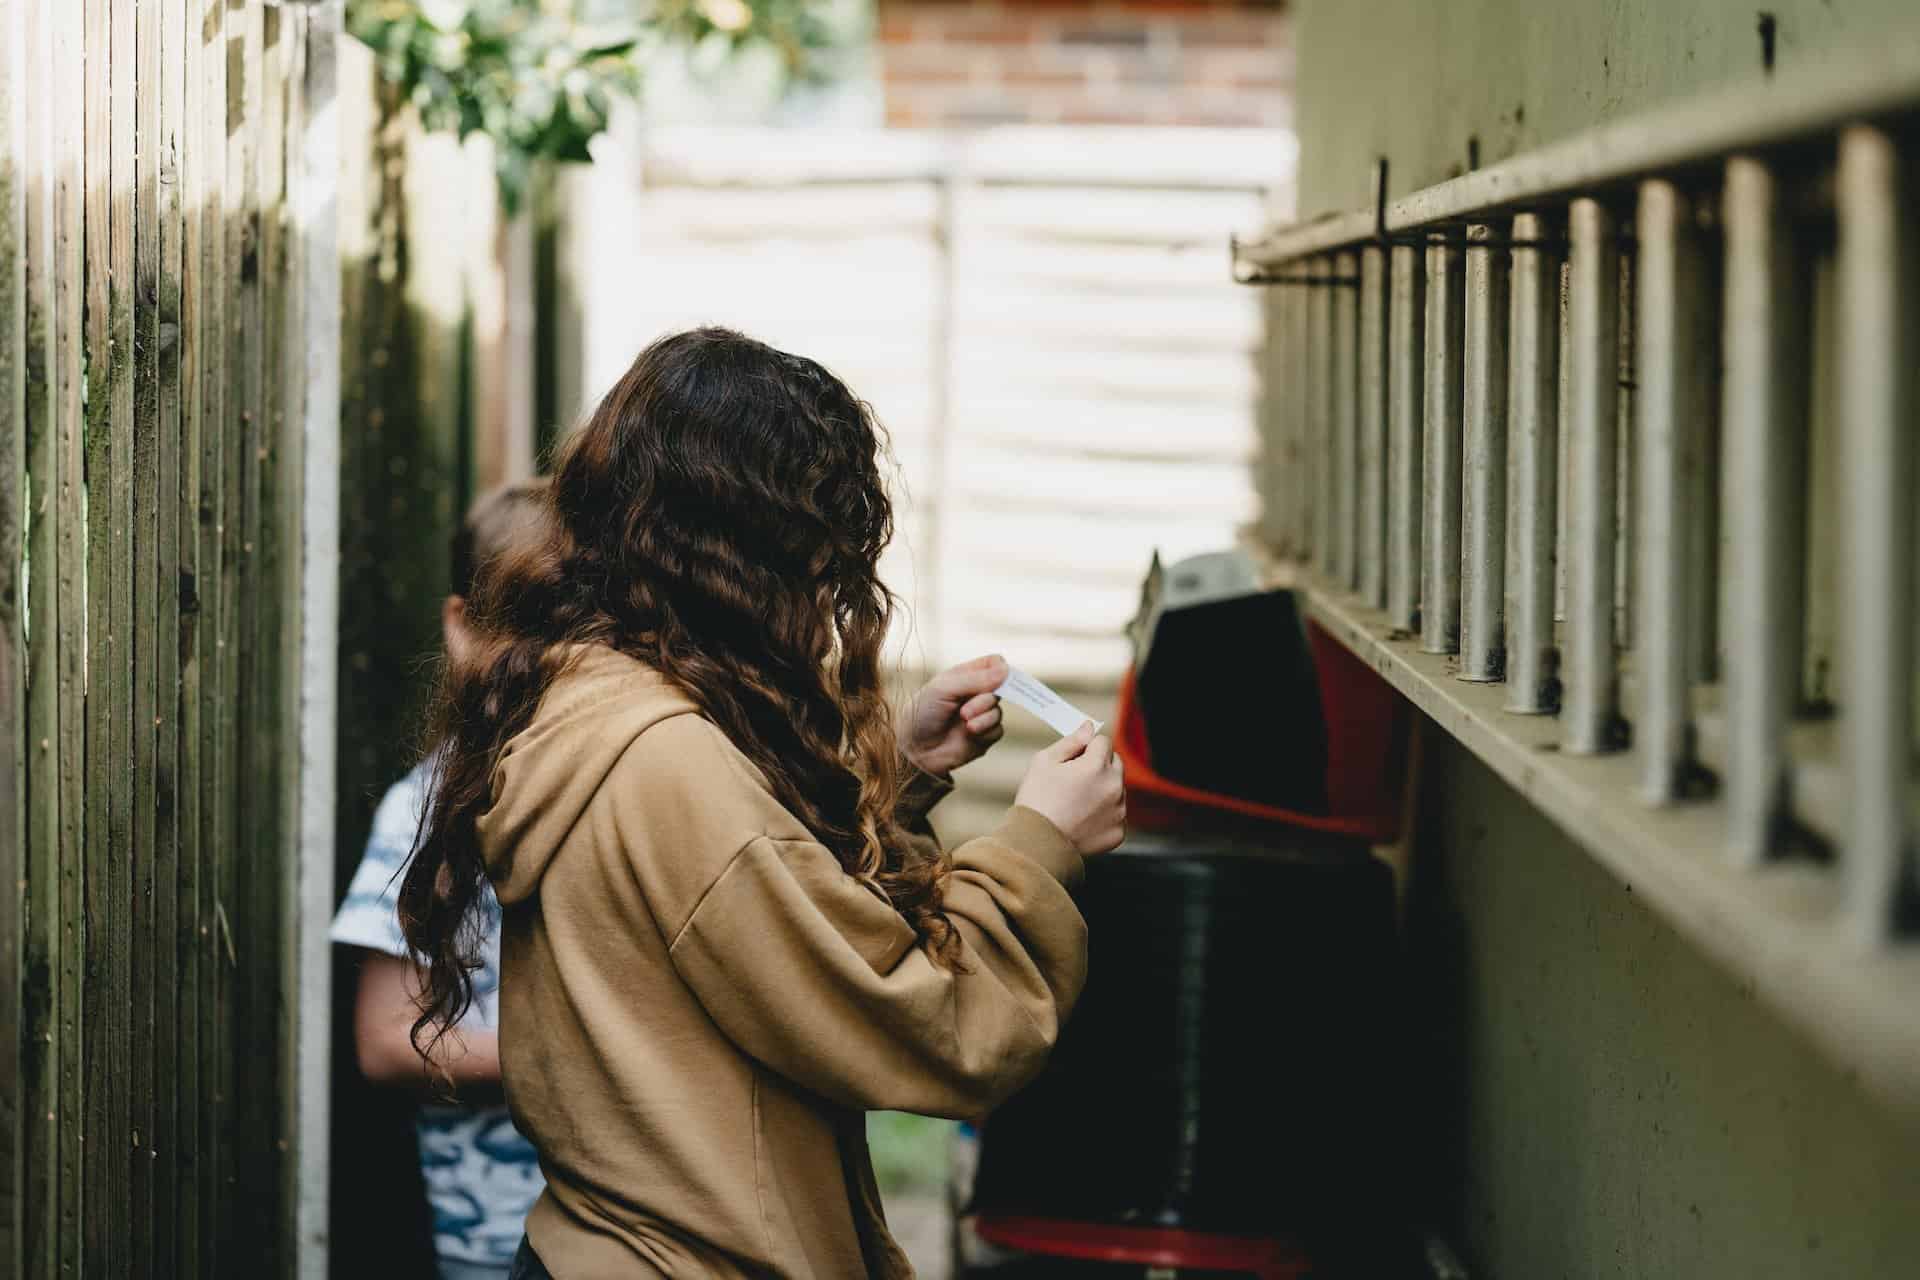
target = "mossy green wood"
x: 13, y: 711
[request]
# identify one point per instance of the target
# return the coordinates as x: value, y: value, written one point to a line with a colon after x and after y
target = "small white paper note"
x: 1022, y: 690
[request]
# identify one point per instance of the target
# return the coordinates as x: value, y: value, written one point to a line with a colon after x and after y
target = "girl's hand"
x: 1078, y: 785
x: 955, y: 718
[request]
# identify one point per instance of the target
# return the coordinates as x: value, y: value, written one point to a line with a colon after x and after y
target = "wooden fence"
x: 153, y: 381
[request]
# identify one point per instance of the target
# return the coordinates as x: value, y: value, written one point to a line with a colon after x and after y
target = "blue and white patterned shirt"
x: 481, y: 1176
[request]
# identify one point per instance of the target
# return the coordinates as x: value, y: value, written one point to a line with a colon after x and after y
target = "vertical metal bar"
x: 1626, y: 460
x: 1275, y: 396
x: 1765, y: 416
x: 1406, y: 389
x: 1483, y: 499
x: 1345, y: 494
x: 1320, y: 380
x: 1300, y: 393
x: 1674, y: 392
x: 1565, y: 375
x: 1440, y: 501
x: 1879, y: 340
x: 1589, y: 716
x: 1533, y: 463
x: 1371, y: 517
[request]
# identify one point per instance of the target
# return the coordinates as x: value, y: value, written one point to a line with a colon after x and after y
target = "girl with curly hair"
x: 726, y: 930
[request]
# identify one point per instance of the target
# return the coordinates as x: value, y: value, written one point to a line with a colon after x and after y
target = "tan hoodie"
x: 698, y: 1005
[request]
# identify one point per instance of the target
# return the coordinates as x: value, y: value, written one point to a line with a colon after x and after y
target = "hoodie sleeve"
x: 818, y: 977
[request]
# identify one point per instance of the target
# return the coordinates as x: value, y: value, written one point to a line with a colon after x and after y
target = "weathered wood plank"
x: 163, y: 1147
x: 103, y: 773
x: 142, y: 128
x: 66, y: 512
x: 156, y: 651
x: 239, y: 585
x: 13, y: 716
x: 215, y: 755
x: 197, y: 170
x: 40, y: 941
x: 111, y: 764
x: 261, y: 724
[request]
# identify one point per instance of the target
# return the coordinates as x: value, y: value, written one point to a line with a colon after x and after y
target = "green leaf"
x: 619, y: 50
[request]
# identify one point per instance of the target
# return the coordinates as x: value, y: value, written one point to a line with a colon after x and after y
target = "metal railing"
x: 1591, y: 447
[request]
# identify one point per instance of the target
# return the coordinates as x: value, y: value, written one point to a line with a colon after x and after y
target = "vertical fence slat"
x: 1345, y: 495
x: 1674, y: 389
x: 240, y: 597
x: 13, y: 712
x: 1370, y: 517
x: 215, y: 754
x: 1763, y: 500
x: 316, y: 361
x: 1589, y: 715
x: 1440, y: 497
x: 261, y: 793
x: 40, y: 957
x: 1406, y: 434
x: 195, y: 168
x: 1878, y: 344
x: 66, y: 512
x: 141, y: 128
x: 103, y: 776
x: 1483, y: 500
x: 163, y: 945
x: 1533, y: 453
x: 292, y: 955
x: 1321, y: 382
x: 113, y: 855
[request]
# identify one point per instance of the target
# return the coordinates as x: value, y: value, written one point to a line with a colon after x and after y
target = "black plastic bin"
x: 1228, y: 1067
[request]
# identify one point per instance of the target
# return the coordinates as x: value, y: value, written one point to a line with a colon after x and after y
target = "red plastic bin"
x: 1366, y: 752
x: 1257, y: 1257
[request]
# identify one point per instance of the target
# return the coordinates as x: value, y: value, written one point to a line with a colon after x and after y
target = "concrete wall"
x: 1425, y: 83
x: 1603, y: 1102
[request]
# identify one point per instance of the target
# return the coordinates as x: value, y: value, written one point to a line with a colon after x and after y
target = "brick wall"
x: 1135, y: 62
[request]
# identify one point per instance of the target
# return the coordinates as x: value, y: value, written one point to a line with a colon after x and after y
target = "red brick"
x: 1234, y: 31
x: 1157, y: 61
x: 974, y: 26
x: 933, y: 76
x: 1043, y: 78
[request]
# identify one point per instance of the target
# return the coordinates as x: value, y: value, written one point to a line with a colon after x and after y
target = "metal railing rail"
x: 1556, y: 423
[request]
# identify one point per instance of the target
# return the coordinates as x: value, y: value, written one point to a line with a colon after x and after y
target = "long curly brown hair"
x: 719, y: 517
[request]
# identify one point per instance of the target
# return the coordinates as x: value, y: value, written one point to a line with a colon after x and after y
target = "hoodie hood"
x: 600, y: 702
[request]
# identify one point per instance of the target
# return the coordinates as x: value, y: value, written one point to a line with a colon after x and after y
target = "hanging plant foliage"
x: 539, y: 79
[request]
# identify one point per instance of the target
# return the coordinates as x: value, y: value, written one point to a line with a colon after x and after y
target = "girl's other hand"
x: 955, y: 718
x: 1078, y: 784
